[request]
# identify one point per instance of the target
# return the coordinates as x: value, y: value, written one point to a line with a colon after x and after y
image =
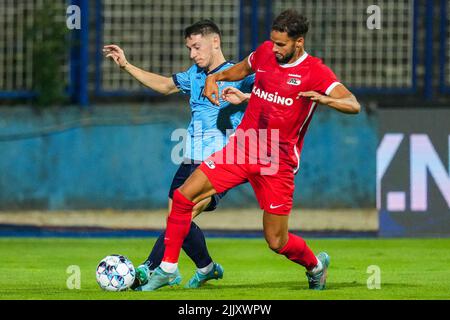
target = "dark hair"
x: 203, y: 27
x: 292, y: 22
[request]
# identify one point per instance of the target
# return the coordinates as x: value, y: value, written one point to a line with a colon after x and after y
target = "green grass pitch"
x: 36, y: 268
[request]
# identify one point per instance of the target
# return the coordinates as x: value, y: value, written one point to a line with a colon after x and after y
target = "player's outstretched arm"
x: 340, y: 98
x: 161, y: 84
x: 237, y: 72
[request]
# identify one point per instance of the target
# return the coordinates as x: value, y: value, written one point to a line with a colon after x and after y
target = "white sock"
x: 317, y: 268
x: 206, y: 269
x: 168, y: 267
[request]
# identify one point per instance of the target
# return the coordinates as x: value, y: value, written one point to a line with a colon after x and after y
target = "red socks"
x: 178, y: 226
x: 297, y: 251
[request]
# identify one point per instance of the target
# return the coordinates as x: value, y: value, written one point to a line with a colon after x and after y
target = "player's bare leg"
x: 295, y: 249
x: 275, y: 230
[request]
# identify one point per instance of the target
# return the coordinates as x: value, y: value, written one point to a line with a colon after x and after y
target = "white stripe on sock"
x: 169, y: 267
x: 206, y: 269
x: 317, y: 268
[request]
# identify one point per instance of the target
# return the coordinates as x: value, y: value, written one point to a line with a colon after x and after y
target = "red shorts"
x: 274, y: 192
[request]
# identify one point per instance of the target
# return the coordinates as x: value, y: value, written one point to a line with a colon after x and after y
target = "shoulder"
x: 266, y: 46
x: 313, y: 61
x: 319, y: 68
x: 228, y: 65
x: 184, y: 80
x: 322, y: 77
x: 261, y: 53
x: 194, y: 69
x: 316, y: 63
x: 263, y: 48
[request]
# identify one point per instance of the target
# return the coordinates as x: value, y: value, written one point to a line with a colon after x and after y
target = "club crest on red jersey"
x: 210, y: 164
x: 294, y: 81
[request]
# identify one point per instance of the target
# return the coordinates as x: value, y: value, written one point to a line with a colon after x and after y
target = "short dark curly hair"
x: 203, y: 27
x: 290, y: 21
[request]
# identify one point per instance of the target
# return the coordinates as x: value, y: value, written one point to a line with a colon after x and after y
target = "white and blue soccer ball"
x: 115, y: 273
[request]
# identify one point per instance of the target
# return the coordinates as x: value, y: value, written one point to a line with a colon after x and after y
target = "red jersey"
x: 274, y: 105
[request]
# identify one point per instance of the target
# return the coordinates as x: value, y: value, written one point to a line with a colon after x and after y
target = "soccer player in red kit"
x: 289, y: 85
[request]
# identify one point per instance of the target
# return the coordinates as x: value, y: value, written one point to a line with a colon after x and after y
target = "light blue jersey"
x: 207, y: 130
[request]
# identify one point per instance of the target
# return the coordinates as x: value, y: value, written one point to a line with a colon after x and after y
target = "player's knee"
x: 276, y: 240
x: 188, y: 193
x: 192, y: 192
x: 275, y: 243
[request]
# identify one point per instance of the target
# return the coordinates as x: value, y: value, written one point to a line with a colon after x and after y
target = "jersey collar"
x: 218, y: 68
x: 295, y: 63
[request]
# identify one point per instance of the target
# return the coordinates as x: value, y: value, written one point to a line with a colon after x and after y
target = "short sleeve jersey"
x: 205, y: 133
x: 274, y: 104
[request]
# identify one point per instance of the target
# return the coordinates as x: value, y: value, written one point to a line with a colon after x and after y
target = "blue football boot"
x: 317, y: 281
x: 159, y: 278
x: 198, y: 279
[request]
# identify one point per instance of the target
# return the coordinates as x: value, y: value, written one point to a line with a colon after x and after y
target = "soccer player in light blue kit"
x: 203, y: 39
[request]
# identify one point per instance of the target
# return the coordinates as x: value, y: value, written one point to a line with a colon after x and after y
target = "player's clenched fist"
x: 211, y: 90
x: 116, y: 53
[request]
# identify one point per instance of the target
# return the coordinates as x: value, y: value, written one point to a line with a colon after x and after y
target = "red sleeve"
x: 256, y: 57
x: 324, y: 80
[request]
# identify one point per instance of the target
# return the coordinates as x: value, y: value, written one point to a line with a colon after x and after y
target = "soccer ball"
x: 115, y: 273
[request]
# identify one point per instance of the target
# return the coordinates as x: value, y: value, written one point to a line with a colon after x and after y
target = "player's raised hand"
x: 314, y: 96
x: 116, y: 53
x: 234, y: 96
x: 211, y: 90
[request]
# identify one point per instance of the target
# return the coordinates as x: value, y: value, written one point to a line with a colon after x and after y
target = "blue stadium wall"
x: 118, y: 157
